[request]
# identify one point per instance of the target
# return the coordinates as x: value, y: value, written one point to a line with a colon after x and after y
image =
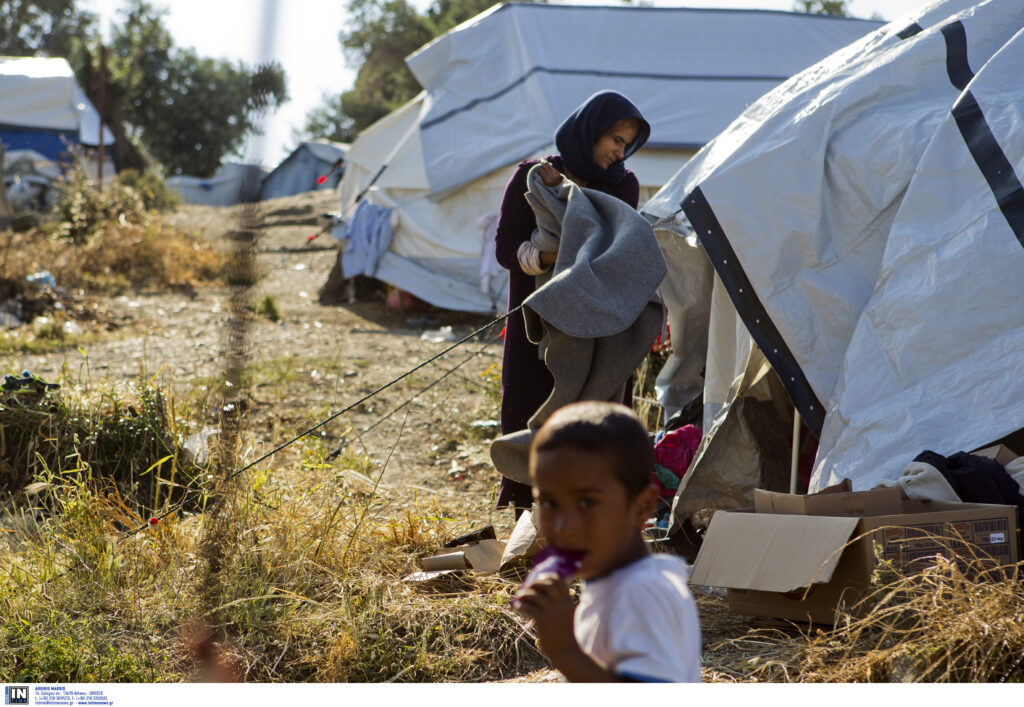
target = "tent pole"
x: 103, y: 89
x: 795, y: 456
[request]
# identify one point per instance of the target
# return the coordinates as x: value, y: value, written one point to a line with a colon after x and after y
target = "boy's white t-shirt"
x: 641, y: 621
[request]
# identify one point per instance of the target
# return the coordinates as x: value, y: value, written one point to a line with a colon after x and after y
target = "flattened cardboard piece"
x: 484, y: 556
x: 774, y: 553
x: 1000, y: 452
x: 876, y: 502
x: 524, y: 541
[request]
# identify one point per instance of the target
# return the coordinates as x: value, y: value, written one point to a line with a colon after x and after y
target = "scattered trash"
x: 485, y: 533
x: 41, y: 280
x: 9, y: 321
x: 27, y: 383
x: 456, y: 472
x: 437, y: 336
x: 197, y: 445
x: 483, y: 556
x: 71, y: 328
x: 524, y: 541
x: 427, y: 579
x: 486, y: 424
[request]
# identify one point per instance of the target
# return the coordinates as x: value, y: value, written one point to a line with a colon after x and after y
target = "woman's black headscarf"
x: 576, y: 136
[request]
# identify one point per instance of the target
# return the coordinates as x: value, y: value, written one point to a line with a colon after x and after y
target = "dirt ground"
x: 330, y: 357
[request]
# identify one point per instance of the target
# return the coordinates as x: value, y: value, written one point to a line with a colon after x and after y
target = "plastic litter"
x: 438, y: 336
x: 197, y: 445
x: 41, y: 280
x: 550, y: 561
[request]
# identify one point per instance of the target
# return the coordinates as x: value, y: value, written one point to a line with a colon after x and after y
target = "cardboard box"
x: 1000, y: 452
x: 801, y: 564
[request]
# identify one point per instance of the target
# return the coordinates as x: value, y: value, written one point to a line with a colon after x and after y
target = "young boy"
x: 591, y: 466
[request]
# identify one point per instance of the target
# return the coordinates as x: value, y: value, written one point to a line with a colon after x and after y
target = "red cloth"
x: 675, y: 450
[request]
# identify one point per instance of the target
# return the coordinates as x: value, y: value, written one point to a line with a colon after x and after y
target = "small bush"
x: 81, y: 209
x: 268, y: 308
x: 151, y: 187
x: 129, y: 446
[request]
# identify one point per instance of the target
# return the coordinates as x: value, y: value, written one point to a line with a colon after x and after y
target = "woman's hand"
x: 549, y: 175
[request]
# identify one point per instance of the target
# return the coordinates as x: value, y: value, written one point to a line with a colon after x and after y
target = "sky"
x: 305, y: 41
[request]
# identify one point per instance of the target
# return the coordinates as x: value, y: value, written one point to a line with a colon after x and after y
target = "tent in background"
x: 301, y: 171
x: 863, y: 227
x: 43, y: 109
x: 497, y: 86
x: 228, y: 186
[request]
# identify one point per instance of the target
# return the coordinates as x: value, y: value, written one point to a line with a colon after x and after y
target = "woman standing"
x: 593, y: 143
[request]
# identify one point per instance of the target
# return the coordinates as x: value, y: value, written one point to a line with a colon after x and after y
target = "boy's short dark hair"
x: 608, y: 429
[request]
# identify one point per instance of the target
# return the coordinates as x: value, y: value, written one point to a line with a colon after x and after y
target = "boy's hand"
x: 548, y: 603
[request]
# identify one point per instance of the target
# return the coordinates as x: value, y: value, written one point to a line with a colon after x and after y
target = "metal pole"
x: 102, y: 111
x: 795, y: 456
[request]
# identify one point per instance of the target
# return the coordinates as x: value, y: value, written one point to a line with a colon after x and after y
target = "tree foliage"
x: 42, y: 27
x: 161, y: 102
x: 383, y: 33
x: 823, y: 7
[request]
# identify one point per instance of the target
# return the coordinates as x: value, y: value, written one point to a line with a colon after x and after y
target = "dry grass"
x: 111, y: 239
x: 299, y: 575
x: 305, y: 583
x: 118, y: 256
x: 949, y: 622
x: 955, y: 621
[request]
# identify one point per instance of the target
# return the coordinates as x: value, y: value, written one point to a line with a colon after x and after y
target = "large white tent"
x: 42, y: 108
x: 860, y: 229
x: 497, y: 86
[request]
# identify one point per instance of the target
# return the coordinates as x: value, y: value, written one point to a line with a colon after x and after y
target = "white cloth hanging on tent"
x: 489, y: 265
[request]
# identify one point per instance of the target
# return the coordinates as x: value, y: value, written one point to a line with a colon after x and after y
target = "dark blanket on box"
x: 977, y: 479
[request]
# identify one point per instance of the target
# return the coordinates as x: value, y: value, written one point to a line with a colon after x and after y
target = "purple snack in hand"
x: 561, y: 563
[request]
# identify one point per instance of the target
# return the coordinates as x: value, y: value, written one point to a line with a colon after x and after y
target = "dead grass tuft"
x: 951, y: 621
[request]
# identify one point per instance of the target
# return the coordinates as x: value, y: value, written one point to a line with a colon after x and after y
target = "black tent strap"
x: 909, y: 31
x: 763, y: 330
x: 977, y: 134
x: 959, y: 70
x: 992, y: 161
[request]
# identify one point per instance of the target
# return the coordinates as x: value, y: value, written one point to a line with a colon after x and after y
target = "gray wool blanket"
x: 595, y: 315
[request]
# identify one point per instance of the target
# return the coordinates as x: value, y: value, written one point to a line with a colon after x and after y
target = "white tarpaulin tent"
x: 497, y: 86
x: 230, y: 184
x: 302, y: 170
x: 42, y: 108
x: 865, y: 223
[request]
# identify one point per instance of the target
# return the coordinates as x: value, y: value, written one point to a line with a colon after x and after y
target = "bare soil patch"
x: 329, y: 356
